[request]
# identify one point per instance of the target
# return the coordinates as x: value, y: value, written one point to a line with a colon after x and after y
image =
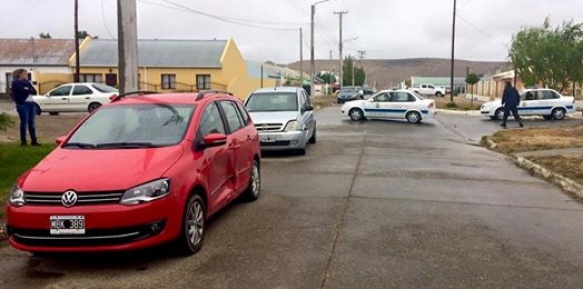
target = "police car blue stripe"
x: 392, y: 110
x: 541, y: 108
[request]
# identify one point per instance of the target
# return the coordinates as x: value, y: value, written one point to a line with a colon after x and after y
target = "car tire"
x: 193, y: 226
x: 356, y: 114
x: 438, y: 94
x: 413, y: 117
x: 93, y: 106
x: 37, y: 109
x: 301, y: 152
x: 254, y: 189
x: 54, y: 113
x: 499, y: 114
x: 313, y: 139
x: 558, y: 113
x: 548, y: 117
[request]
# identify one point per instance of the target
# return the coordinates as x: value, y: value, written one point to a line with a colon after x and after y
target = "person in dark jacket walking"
x: 21, y: 91
x: 510, y: 102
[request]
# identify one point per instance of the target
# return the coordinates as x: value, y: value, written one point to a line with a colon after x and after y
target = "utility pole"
x: 301, y: 57
x: 312, y: 64
x: 353, y: 70
x: 341, y: 80
x: 127, y: 45
x: 453, y: 50
x: 77, y: 61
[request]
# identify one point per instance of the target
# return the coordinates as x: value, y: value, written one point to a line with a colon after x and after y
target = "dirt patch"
x: 460, y: 103
x: 524, y: 140
x: 568, y: 166
x: 48, y: 127
x: 323, y: 101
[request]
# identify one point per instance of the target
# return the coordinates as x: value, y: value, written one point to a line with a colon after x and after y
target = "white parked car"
x: 544, y: 102
x: 74, y: 97
x: 399, y: 104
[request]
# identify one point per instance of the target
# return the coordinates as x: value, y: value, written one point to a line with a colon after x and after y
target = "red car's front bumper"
x: 107, y: 227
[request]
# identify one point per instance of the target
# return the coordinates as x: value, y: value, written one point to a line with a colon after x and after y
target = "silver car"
x: 284, y: 118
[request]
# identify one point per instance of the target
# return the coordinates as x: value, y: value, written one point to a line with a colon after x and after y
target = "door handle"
x: 88, y: 98
x: 64, y: 98
x: 248, y: 137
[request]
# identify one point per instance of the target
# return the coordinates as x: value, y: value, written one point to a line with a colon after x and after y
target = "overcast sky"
x: 386, y: 29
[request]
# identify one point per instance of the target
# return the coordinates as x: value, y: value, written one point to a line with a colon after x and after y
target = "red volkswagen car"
x: 138, y: 172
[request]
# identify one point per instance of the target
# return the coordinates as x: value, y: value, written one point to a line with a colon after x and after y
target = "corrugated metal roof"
x: 36, y: 52
x: 158, y: 53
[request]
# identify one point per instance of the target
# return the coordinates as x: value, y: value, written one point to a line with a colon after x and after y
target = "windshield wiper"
x: 126, y: 145
x: 82, y: 145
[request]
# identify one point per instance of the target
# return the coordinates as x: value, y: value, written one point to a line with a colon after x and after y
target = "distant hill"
x: 389, y: 72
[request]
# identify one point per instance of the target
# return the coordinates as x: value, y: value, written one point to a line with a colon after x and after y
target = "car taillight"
x: 431, y: 105
x: 112, y: 97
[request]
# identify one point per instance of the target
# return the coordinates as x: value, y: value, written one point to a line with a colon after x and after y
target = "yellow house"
x: 173, y: 65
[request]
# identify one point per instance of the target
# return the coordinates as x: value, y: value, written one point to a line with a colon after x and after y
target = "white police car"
x: 399, y: 104
x: 544, y: 102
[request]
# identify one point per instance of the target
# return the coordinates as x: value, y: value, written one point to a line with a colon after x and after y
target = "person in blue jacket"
x: 21, y: 91
x: 510, y: 102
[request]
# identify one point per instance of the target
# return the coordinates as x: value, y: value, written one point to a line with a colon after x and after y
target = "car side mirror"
x: 309, y: 108
x: 213, y: 140
x: 60, y: 140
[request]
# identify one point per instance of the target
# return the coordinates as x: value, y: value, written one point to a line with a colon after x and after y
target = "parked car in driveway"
x: 284, y: 118
x: 349, y: 93
x: 398, y: 104
x: 74, y: 97
x: 547, y: 103
x: 138, y: 172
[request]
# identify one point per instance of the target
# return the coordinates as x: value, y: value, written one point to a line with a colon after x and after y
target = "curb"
x: 459, y: 112
x: 562, y: 182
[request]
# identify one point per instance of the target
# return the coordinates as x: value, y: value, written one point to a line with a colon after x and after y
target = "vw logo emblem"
x: 265, y: 126
x: 69, y: 199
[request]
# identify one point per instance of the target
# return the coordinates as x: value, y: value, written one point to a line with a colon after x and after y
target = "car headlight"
x: 17, y: 196
x: 292, y: 125
x: 146, y: 193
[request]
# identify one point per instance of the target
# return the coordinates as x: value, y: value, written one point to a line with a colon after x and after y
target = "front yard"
x: 525, y: 140
x: 459, y: 103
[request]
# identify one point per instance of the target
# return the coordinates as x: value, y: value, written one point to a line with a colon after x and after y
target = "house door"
x: 111, y: 79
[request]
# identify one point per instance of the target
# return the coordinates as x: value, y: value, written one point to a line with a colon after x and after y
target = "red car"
x: 138, y: 172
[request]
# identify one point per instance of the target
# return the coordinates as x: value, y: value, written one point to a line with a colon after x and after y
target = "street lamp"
x: 312, y: 64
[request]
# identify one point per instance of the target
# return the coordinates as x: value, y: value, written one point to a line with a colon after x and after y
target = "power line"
x: 236, y: 21
x: 483, y: 32
x: 105, y: 22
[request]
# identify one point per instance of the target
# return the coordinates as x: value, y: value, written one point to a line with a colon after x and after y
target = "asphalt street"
x: 374, y: 204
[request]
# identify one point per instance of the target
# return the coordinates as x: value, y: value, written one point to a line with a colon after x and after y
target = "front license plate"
x: 267, y: 139
x: 67, y: 225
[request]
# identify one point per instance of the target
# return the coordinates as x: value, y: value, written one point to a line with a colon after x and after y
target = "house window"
x: 203, y: 81
x: 91, y: 77
x: 111, y: 79
x: 168, y: 81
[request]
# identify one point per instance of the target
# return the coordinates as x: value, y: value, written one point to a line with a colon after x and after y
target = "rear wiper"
x: 80, y: 145
x: 128, y: 145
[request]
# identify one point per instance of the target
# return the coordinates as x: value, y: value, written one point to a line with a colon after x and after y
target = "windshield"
x: 103, y: 88
x: 133, y: 126
x: 272, y: 101
x: 348, y: 89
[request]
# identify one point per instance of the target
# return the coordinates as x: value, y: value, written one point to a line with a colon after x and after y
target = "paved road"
x: 378, y: 204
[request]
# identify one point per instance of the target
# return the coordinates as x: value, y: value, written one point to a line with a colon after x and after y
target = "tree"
x: 551, y: 57
x: 472, y: 79
x: 5, y: 121
x: 348, y: 68
x: 328, y: 77
x: 45, y: 35
x: 84, y: 34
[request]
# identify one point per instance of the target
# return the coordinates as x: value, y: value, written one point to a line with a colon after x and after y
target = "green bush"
x: 451, y: 105
x: 5, y: 121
